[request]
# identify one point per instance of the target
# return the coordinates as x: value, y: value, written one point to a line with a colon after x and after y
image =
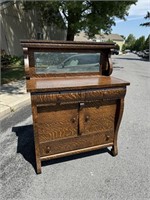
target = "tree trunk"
x: 70, y: 32
x: 70, y: 36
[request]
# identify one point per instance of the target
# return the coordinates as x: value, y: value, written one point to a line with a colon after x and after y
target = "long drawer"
x: 76, y: 143
x: 77, y: 96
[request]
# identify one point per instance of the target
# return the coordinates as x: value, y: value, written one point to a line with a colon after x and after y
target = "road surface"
x: 91, y: 176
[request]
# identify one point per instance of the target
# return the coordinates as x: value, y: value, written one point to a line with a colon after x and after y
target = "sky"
x: 133, y: 20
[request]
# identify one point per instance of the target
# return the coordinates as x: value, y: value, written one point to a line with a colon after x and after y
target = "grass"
x: 13, y: 73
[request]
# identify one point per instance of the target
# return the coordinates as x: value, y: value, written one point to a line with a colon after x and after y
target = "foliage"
x: 136, y: 44
x: 8, y: 61
x: 146, y: 17
x: 129, y: 42
x: 147, y: 43
x: 139, y: 44
x: 12, y: 74
x: 75, y: 16
x: 12, y: 67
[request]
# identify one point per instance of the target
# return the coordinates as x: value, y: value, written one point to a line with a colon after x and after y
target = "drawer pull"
x: 87, y: 118
x: 107, y: 137
x: 47, y: 150
x: 73, y: 120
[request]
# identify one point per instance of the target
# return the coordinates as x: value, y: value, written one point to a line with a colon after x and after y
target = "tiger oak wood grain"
x: 73, y: 83
x: 73, y: 112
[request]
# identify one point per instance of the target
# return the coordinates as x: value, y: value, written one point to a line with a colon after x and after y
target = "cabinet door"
x: 57, y: 121
x: 98, y: 116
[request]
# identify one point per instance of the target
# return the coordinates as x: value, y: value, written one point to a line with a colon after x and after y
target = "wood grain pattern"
x: 99, y: 116
x: 40, y: 44
x: 76, y: 112
x: 73, y: 83
x: 77, y: 151
x: 79, y: 142
x: 36, y: 138
x: 77, y: 96
x: 58, y: 121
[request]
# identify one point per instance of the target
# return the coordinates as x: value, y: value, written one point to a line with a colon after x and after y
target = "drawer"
x: 76, y: 143
x: 94, y: 95
x: 114, y: 93
x: 105, y: 94
x: 57, y: 98
x: 75, y: 97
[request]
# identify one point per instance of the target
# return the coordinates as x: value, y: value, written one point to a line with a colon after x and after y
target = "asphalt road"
x: 91, y: 176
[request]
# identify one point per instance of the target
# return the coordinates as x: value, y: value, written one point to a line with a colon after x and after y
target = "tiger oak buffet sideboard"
x: 76, y: 105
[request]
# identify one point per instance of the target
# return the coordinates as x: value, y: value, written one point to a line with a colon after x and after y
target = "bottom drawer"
x: 76, y: 143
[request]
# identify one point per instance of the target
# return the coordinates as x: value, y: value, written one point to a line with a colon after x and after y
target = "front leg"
x: 114, y: 150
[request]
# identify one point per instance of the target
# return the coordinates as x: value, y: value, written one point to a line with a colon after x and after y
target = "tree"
x: 129, y: 42
x: 146, y: 17
x: 90, y: 16
x: 139, y: 44
x: 147, y: 43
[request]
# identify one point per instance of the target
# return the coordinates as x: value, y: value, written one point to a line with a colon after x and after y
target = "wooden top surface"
x: 73, y: 83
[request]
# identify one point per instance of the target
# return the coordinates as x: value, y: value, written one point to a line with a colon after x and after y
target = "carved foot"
x: 114, y: 151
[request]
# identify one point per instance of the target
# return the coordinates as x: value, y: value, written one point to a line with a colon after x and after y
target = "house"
x: 16, y: 24
x: 116, y: 38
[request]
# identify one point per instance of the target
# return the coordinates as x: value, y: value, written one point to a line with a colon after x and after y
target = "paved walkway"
x: 12, y: 97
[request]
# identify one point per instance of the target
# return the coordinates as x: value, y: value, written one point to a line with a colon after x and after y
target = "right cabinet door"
x: 98, y: 117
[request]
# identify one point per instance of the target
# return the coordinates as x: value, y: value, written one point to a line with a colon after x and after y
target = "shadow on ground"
x: 26, y: 148
x: 14, y: 87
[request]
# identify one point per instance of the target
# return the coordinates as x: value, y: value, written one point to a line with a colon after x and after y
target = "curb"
x: 13, y: 108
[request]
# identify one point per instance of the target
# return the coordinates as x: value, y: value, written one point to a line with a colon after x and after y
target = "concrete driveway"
x: 90, y: 176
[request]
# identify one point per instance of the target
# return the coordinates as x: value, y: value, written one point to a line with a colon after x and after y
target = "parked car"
x: 146, y: 54
x: 140, y: 53
x: 114, y: 52
x: 81, y: 60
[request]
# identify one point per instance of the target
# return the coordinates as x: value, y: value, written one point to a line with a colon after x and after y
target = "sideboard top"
x: 73, y: 83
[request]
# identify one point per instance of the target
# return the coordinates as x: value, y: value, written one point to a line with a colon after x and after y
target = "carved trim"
x: 26, y: 62
x: 110, y: 68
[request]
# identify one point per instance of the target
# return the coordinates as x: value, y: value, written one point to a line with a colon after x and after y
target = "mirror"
x: 55, y: 62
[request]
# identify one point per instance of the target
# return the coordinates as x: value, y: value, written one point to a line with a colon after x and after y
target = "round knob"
x: 73, y: 120
x: 47, y: 150
x: 107, y: 137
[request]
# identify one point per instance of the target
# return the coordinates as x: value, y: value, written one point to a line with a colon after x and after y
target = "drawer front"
x: 76, y: 143
x: 114, y: 93
x: 55, y: 122
x: 76, y: 97
x: 57, y: 98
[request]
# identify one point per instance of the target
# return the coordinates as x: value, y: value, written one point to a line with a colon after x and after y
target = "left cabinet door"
x: 57, y: 121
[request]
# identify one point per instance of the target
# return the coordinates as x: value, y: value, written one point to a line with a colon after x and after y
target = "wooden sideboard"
x: 73, y: 112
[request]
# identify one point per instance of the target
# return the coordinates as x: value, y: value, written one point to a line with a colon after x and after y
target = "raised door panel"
x: 99, y: 116
x: 57, y: 122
